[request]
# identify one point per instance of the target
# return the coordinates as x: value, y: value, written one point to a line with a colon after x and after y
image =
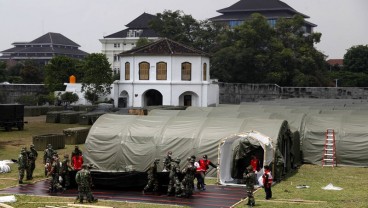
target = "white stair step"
x: 329, y: 154
x: 329, y: 149
x: 327, y: 159
x: 329, y: 165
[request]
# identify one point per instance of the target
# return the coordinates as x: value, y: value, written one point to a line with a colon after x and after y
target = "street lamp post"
x: 336, y: 82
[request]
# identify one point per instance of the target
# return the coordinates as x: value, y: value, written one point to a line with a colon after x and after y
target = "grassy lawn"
x: 285, y: 194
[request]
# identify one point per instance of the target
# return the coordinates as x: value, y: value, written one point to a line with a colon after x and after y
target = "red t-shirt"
x: 255, y: 164
x: 77, y: 162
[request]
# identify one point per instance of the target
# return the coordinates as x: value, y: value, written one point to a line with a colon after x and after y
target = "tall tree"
x: 185, y: 29
x: 97, y: 78
x: 3, y: 72
x: 254, y: 52
x: 58, y: 71
x: 356, y: 59
x: 32, y: 73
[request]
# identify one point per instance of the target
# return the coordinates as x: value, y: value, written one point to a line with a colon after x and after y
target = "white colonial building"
x: 165, y: 72
x: 125, y: 40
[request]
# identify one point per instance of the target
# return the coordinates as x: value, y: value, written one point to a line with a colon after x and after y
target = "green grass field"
x: 285, y: 194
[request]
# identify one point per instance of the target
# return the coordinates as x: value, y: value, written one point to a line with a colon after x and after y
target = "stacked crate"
x: 56, y: 140
x: 76, y: 135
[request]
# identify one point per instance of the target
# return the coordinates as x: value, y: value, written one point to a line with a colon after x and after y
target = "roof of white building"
x: 164, y: 46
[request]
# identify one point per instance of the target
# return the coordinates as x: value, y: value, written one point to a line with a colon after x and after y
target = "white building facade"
x: 165, y: 73
x: 125, y: 40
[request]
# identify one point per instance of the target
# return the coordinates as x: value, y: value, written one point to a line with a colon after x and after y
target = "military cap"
x: 205, y: 156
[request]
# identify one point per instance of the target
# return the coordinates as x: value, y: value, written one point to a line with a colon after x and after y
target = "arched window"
x: 161, y: 71
x: 186, y: 71
x: 127, y: 71
x: 144, y: 71
x: 205, y: 72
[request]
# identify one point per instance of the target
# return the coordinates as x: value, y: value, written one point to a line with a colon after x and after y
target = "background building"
x: 235, y: 14
x: 165, y: 72
x: 43, y: 49
x: 125, y: 40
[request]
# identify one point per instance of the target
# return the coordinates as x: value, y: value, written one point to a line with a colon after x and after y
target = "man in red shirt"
x: 201, y: 171
x: 254, y: 162
x: 77, y: 161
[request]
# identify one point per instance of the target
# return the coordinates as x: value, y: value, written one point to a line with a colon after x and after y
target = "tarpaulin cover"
x: 123, y: 143
x: 351, y: 138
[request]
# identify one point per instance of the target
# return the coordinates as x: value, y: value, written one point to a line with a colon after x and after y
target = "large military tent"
x: 125, y: 144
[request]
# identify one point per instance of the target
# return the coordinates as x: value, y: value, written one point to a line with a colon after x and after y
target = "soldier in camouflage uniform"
x: 47, y: 158
x: 152, y: 178
x: 187, y: 182
x: 55, y: 173
x: 250, y: 181
x: 167, y: 162
x: 84, y: 181
x: 22, y: 164
x: 65, y: 169
x: 174, y: 183
x: 32, y: 157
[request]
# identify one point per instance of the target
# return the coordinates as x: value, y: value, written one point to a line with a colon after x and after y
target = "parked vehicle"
x: 12, y: 116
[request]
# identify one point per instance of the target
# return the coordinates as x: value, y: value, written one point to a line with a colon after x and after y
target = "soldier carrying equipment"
x: 152, y: 178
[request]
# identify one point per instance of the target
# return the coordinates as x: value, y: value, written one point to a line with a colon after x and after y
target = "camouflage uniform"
x: 55, y: 173
x: 152, y: 178
x: 47, y: 157
x: 65, y: 169
x: 250, y: 181
x: 84, y: 181
x: 174, y: 183
x: 32, y: 156
x: 167, y: 162
x: 187, y: 182
x: 22, y: 164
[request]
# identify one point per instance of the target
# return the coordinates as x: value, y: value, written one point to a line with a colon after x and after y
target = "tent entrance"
x: 235, y: 154
x: 240, y: 165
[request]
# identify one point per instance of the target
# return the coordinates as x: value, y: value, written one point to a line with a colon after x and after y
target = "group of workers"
x: 181, y: 182
x: 58, y: 170
x: 250, y: 179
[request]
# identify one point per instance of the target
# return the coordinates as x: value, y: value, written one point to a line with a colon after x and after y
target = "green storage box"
x: 77, y: 135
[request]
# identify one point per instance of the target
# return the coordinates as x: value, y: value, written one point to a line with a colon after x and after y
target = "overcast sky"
x: 343, y: 23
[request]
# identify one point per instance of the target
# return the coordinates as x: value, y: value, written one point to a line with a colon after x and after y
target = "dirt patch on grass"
x: 15, y: 143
